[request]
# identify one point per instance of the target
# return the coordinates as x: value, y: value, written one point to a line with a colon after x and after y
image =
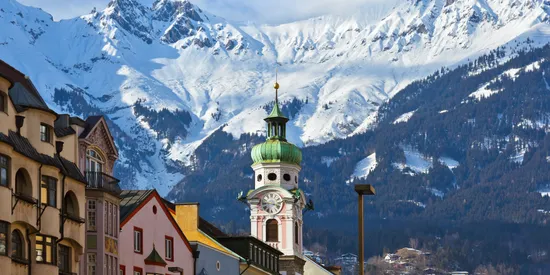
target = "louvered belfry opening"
x: 272, y: 231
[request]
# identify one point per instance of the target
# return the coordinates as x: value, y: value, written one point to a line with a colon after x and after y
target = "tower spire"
x: 276, y: 86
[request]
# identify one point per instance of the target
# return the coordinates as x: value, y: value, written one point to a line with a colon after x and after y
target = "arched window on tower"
x: 280, y: 130
x: 296, y: 233
x: 272, y: 231
x: 272, y: 130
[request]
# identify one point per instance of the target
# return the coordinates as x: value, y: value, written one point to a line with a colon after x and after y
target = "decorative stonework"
x: 101, y: 139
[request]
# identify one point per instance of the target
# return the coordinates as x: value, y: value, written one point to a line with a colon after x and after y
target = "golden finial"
x: 276, y: 86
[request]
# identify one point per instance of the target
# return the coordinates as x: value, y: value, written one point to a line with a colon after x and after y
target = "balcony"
x: 103, y: 182
x: 273, y: 244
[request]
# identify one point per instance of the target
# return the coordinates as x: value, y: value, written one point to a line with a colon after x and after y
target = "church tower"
x: 276, y: 203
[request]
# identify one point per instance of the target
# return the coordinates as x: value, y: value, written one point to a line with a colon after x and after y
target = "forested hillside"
x: 455, y: 158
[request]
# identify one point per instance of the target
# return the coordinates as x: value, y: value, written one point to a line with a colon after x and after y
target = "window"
x: 169, y: 247
x: 71, y: 205
x: 48, y: 191
x: 3, y: 102
x: 122, y: 270
x: 115, y: 221
x: 4, y: 170
x: 272, y: 231
x: 17, y: 245
x: 64, y: 259
x: 94, y: 161
x: 218, y: 266
x: 45, y: 252
x: 45, y: 133
x: 91, y: 215
x: 23, y: 185
x: 109, y: 219
x: 286, y: 177
x: 271, y: 176
x: 138, y: 240
x: 296, y: 232
x: 91, y: 263
x: 105, y: 211
x: 4, y: 229
x: 138, y: 271
x: 109, y: 263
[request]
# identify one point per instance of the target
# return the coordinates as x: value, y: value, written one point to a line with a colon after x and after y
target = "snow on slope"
x: 365, y: 166
x: 171, y: 54
x: 404, y: 117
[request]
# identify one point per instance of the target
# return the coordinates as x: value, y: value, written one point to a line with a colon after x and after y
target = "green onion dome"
x: 276, y: 150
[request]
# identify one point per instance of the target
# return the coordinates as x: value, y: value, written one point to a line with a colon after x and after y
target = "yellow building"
x: 42, y: 190
x: 220, y: 253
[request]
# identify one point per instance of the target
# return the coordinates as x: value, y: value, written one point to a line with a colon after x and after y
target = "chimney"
x: 187, y: 216
x: 19, y: 123
x: 59, y: 147
x: 62, y: 121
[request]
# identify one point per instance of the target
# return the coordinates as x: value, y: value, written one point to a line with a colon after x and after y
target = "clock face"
x: 272, y: 203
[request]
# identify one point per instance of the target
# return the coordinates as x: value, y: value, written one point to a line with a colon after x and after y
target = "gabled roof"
x: 133, y: 200
x: 91, y: 123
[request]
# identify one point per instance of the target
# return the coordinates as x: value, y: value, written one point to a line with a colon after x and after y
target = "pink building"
x: 150, y: 241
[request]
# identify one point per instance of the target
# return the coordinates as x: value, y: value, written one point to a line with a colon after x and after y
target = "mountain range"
x: 371, y: 97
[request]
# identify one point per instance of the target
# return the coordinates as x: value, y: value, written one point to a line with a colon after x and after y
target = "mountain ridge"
x: 176, y: 57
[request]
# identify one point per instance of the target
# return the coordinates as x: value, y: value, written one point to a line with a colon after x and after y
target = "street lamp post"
x: 362, y: 189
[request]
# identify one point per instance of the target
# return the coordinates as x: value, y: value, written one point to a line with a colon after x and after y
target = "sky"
x: 258, y: 11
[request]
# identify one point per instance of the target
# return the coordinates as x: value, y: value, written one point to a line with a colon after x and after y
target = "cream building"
x: 42, y: 189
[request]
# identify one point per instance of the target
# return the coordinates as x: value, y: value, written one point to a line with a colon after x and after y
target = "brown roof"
x: 22, y: 91
x: 22, y: 145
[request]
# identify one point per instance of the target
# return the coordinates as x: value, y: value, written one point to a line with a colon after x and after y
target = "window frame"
x: 67, y: 267
x: 140, y: 242
x: 7, y: 169
x: 47, y: 135
x: 90, y: 211
x: 166, y: 248
x: 6, y: 240
x: 90, y: 264
x: 138, y: 269
x: 45, y: 244
x: 121, y: 270
x: 3, y: 102
x: 20, y: 253
x: 50, y: 183
x: 268, y: 235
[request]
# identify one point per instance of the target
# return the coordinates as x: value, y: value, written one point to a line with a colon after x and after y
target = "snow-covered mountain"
x: 145, y: 62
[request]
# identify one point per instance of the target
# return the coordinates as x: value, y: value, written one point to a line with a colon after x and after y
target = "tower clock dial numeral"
x: 272, y: 203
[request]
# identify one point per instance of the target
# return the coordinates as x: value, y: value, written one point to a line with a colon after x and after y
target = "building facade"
x: 97, y: 155
x: 211, y: 257
x: 150, y: 241
x: 42, y: 191
x: 276, y: 203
